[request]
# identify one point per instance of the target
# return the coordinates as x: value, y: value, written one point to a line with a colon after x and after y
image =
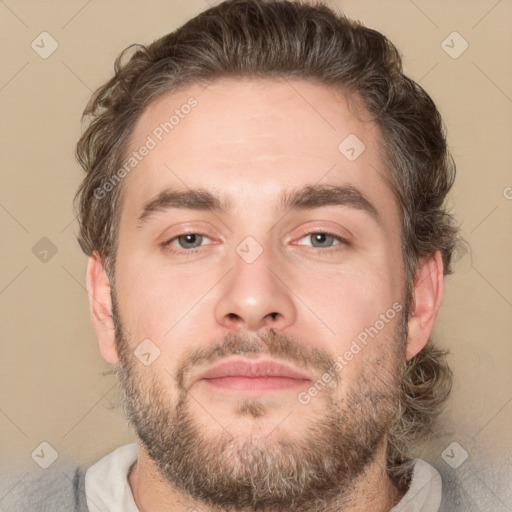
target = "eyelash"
x: 190, y: 252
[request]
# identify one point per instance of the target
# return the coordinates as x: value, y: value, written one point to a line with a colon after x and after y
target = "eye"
x: 323, y: 239
x: 186, y: 241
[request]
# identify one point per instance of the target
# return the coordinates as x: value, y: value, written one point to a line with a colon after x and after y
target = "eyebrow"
x: 306, y: 198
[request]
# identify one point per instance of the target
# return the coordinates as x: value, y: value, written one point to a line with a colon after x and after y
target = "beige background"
x: 54, y: 385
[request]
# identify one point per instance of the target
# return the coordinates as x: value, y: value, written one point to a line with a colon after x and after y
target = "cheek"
x: 356, y: 312
x: 352, y: 309
x: 349, y: 298
x: 148, y: 298
x: 168, y: 304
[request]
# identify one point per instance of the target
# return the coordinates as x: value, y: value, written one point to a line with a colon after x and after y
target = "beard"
x: 315, y: 472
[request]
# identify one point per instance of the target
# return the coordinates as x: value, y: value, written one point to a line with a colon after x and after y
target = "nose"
x: 255, y: 296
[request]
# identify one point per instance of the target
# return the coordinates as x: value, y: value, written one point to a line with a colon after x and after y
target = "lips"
x: 253, y: 375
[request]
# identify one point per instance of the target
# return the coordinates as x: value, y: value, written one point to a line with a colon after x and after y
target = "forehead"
x: 252, y: 139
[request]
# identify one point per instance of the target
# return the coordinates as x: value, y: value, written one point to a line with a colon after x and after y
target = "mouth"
x: 256, y: 376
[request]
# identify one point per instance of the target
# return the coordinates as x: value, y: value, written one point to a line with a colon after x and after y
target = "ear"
x: 426, y: 301
x: 100, y: 307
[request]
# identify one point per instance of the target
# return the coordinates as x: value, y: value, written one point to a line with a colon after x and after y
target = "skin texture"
x: 250, y: 141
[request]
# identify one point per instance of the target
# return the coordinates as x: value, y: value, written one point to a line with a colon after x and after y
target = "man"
x: 263, y: 215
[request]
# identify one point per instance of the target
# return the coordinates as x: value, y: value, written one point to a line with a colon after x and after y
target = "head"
x: 274, y: 121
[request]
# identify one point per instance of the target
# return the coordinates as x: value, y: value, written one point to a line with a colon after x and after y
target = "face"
x: 259, y: 292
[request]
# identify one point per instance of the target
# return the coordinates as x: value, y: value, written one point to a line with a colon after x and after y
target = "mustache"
x: 270, y: 342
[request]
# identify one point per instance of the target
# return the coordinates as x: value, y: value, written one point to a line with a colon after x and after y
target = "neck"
x: 373, y: 490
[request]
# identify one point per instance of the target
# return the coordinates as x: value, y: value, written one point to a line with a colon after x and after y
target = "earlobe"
x: 426, y: 301
x: 100, y: 307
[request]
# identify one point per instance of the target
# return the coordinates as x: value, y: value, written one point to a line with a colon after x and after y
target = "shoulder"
x: 59, y: 488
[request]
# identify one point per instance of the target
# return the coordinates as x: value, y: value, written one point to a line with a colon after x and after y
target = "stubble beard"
x: 234, y: 472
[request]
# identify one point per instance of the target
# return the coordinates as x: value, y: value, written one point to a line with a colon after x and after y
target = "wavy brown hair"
x: 291, y: 39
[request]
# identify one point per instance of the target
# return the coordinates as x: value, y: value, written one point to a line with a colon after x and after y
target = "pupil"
x: 320, y: 237
x: 190, y: 239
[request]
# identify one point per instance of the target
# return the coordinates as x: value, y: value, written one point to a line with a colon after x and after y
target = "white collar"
x: 106, y: 482
x: 424, y: 493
